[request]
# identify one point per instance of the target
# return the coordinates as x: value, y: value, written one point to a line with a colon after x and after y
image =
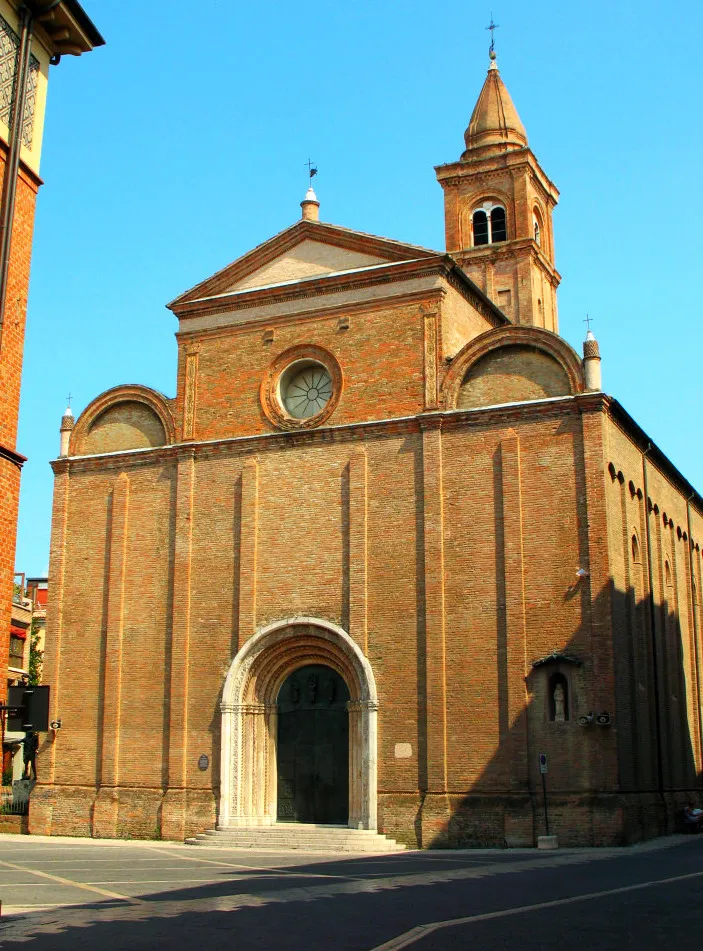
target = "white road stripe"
x: 272, y: 870
x: 421, y: 931
x: 70, y: 882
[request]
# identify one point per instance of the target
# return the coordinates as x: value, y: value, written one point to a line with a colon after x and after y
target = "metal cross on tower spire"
x: 492, y: 27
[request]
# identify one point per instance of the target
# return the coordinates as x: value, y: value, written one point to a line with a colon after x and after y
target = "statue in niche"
x: 559, y: 704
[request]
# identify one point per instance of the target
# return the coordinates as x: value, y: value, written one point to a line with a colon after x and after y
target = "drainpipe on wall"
x: 695, y: 621
x: 652, y: 621
x: 9, y: 191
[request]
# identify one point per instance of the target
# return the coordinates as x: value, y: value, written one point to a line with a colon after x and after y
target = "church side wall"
x: 109, y: 677
x: 658, y: 677
x: 516, y: 530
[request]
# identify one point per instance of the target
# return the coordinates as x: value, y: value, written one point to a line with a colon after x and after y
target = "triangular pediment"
x: 307, y: 250
x: 307, y: 259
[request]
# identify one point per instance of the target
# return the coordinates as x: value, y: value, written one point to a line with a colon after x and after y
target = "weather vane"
x: 312, y: 170
x: 492, y: 27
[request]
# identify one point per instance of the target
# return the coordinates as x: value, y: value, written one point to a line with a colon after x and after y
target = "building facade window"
x: 17, y: 653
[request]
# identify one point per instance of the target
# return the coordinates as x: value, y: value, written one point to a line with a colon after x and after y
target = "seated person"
x: 691, y: 815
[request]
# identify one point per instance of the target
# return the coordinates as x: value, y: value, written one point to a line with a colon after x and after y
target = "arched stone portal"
x: 249, y: 719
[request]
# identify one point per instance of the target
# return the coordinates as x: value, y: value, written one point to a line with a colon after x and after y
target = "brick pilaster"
x: 248, y: 550
x: 105, y: 809
x: 358, y: 548
x: 173, y: 812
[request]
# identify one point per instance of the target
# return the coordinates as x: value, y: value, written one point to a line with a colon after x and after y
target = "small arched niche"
x: 512, y: 374
x: 129, y: 424
x: 635, y: 548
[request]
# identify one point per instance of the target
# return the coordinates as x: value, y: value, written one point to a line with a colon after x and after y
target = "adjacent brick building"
x: 33, y: 35
x: 386, y: 486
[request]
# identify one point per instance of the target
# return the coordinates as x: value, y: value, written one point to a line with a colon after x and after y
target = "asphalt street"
x: 63, y: 894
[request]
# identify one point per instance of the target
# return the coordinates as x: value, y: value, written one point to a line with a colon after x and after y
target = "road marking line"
x: 164, y: 881
x: 70, y: 882
x: 407, y: 938
x: 271, y: 869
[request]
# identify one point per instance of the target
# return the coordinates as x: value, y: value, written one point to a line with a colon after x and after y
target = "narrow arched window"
x: 667, y: 573
x: 635, y: 549
x: 480, y: 228
x: 537, y: 226
x: 498, y: 229
x: 558, y: 698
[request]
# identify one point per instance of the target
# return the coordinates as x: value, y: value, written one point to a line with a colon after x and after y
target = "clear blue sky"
x: 181, y: 144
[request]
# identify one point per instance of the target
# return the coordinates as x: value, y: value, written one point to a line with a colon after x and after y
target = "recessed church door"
x: 313, y: 747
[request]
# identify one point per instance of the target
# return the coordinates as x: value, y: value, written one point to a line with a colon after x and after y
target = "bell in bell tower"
x: 498, y: 206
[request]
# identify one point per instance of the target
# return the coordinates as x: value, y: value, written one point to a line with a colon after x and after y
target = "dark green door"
x: 313, y: 747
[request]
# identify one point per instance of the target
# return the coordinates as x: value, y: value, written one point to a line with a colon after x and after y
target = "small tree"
x: 36, y: 656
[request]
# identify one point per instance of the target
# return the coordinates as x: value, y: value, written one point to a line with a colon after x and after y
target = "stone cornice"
x: 11, y: 456
x: 448, y: 420
x: 26, y: 174
x: 314, y: 287
x: 303, y: 316
x: 311, y: 287
x: 456, y: 173
x: 491, y: 252
x: 443, y: 266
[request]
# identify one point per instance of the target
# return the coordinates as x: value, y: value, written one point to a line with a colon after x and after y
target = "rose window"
x: 305, y: 389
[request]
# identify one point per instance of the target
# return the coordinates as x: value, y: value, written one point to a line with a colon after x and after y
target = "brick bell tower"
x: 498, y: 210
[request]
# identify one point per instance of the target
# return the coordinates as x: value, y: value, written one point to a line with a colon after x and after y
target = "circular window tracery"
x: 305, y: 389
x: 301, y: 388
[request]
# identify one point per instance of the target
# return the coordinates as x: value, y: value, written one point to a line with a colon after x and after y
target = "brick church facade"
x: 388, y: 496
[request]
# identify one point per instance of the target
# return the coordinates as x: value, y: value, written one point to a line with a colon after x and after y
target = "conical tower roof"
x: 495, y: 125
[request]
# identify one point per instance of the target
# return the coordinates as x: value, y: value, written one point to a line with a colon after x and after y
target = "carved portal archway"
x: 249, y: 719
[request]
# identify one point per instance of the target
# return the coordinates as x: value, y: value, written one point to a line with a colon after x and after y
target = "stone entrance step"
x: 303, y: 837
